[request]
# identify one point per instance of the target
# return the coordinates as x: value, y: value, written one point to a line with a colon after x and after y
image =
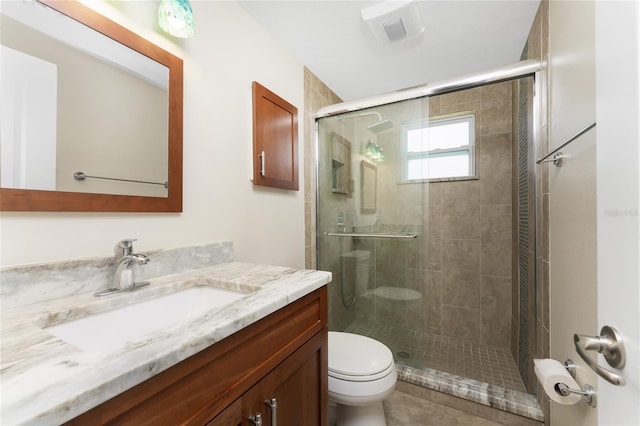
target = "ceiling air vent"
x: 392, y: 21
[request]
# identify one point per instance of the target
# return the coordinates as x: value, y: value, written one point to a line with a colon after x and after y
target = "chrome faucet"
x: 125, y: 258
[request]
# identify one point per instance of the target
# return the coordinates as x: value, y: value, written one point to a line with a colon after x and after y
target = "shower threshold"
x: 483, y: 374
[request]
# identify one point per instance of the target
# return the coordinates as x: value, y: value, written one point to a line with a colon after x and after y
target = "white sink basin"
x: 104, y: 331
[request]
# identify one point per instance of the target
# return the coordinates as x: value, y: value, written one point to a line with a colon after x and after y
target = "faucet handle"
x: 124, y: 247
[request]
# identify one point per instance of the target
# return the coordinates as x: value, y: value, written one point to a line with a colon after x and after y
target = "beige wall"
x: 572, y: 195
x: 229, y: 51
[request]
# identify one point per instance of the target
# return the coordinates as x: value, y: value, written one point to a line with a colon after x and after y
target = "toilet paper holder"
x: 588, y: 392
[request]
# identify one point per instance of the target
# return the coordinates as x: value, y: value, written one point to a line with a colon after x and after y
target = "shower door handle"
x: 399, y: 235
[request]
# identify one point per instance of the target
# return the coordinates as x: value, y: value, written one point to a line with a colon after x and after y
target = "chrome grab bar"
x: 83, y: 176
x: 556, y: 154
x: 400, y: 235
x: 609, y: 344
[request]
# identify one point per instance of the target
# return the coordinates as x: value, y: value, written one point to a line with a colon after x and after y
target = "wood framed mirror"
x: 146, y: 172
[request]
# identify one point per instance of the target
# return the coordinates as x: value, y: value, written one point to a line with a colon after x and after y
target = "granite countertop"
x: 48, y: 381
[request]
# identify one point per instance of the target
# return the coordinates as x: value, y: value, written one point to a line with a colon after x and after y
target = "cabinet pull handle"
x: 273, y: 405
x: 262, y: 161
x: 257, y: 419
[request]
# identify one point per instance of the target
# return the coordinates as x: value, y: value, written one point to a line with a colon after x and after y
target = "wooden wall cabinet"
x: 282, y: 357
x: 275, y: 140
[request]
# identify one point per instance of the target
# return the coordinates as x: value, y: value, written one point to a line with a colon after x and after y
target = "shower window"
x: 442, y: 148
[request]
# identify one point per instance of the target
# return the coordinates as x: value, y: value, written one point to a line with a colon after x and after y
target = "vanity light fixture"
x: 175, y: 17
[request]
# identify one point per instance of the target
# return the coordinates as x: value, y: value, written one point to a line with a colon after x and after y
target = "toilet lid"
x: 356, y: 356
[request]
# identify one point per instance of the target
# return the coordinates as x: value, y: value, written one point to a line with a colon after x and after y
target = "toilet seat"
x: 361, y: 374
x: 357, y: 358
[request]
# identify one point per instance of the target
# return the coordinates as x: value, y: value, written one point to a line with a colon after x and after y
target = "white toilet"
x: 361, y: 374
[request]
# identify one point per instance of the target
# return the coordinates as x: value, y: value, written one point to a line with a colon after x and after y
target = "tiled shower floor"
x: 423, y: 350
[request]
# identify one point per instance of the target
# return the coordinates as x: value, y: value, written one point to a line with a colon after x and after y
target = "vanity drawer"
x: 198, y: 388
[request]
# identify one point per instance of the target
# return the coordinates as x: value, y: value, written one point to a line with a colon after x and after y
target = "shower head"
x: 377, y: 127
x: 380, y: 126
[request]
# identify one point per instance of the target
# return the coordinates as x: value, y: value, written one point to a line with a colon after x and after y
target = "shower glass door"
x: 426, y: 219
x: 372, y: 221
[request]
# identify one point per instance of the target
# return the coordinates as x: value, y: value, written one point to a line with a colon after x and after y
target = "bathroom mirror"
x: 91, y: 113
x: 340, y: 165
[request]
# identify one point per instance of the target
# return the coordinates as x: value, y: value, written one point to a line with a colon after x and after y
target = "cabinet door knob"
x: 257, y: 419
x: 273, y: 405
x: 262, y: 163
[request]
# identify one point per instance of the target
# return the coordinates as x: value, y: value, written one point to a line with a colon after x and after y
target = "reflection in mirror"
x: 369, y: 187
x: 77, y: 100
x: 340, y: 165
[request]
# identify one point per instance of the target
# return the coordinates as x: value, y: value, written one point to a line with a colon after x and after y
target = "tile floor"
x: 423, y: 350
x: 402, y: 409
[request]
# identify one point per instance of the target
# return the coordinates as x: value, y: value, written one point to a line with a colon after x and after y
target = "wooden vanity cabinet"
x: 289, y: 394
x: 283, y: 356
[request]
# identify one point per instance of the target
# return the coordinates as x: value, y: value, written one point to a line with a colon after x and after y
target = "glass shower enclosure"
x: 371, y: 223
x: 424, y: 207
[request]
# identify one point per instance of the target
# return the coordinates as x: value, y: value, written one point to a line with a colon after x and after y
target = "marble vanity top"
x: 47, y: 381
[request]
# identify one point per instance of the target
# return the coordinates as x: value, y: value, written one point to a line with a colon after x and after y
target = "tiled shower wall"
x: 470, y: 226
x: 464, y: 268
x: 536, y: 288
x: 537, y: 47
x: 316, y: 95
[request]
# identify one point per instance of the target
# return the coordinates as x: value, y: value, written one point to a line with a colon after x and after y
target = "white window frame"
x: 443, y: 120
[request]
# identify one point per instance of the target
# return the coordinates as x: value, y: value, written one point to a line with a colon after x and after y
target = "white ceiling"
x: 461, y: 37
